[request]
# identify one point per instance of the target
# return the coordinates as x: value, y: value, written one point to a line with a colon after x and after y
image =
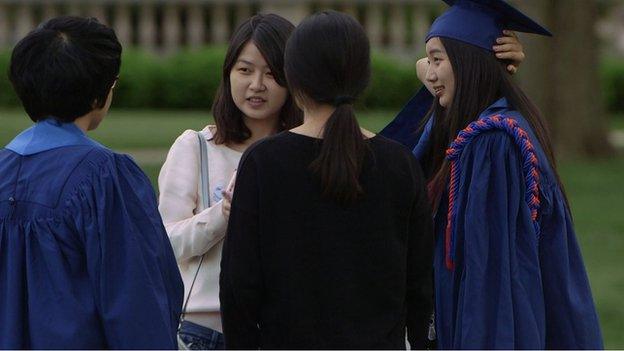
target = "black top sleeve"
x: 240, y: 280
x: 420, y: 265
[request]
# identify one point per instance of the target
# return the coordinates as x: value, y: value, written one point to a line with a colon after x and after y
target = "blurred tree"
x: 561, y: 76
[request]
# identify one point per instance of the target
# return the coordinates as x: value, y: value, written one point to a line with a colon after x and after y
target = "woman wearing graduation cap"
x: 508, y: 269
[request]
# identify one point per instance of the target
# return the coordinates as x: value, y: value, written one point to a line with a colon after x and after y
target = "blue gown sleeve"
x: 137, y: 286
x: 404, y: 127
x: 241, y: 274
x: 571, y: 318
x: 500, y: 302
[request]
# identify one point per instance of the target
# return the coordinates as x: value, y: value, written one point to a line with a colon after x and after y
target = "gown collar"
x: 48, y: 134
x: 497, y: 107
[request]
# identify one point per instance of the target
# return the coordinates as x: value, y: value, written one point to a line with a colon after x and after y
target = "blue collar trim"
x: 48, y: 134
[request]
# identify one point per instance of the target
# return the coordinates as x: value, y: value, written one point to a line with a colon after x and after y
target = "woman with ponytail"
x: 329, y: 241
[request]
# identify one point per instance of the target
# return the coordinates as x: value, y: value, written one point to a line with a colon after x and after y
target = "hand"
x: 421, y: 71
x: 226, y: 206
x: 227, y: 196
x: 508, y: 47
x: 230, y: 186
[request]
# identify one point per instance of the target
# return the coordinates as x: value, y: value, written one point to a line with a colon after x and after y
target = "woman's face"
x: 440, y: 72
x: 253, y: 87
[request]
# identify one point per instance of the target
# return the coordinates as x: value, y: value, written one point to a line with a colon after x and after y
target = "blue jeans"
x: 197, y: 337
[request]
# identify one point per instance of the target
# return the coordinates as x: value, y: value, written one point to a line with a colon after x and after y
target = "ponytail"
x: 327, y: 62
x: 339, y: 163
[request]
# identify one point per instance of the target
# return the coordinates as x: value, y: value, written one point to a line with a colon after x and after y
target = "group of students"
x: 286, y: 224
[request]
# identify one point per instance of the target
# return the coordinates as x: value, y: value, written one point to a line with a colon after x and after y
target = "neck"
x: 83, y: 122
x: 260, y: 128
x: 314, y: 119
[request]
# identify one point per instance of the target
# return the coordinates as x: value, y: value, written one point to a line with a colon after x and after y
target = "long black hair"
x: 328, y: 62
x: 480, y: 80
x: 269, y: 33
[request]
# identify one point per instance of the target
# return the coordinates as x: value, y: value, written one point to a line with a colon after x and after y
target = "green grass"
x: 594, y: 188
x: 596, y: 196
x: 123, y: 129
x: 154, y: 129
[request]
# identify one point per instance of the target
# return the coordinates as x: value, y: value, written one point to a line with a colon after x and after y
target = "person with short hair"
x: 85, y: 262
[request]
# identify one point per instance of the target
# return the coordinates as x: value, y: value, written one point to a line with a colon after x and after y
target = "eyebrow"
x: 249, y: 63
x: 245, y: 61
x: 435, y: 51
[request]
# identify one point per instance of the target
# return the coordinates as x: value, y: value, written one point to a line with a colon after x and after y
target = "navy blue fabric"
x: 404, y: 127
x: 480, y: 22
x: 509, y: 289
x: 197, y: 337
x: 85, y: 262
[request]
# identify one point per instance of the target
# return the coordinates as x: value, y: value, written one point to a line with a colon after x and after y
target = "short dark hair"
x: 269, y: 33
x: 64, y: 66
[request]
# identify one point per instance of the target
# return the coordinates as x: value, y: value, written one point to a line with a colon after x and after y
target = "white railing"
x: 167, y: 25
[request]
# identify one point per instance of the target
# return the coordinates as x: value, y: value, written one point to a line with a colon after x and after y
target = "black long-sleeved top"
x: 300, y: 271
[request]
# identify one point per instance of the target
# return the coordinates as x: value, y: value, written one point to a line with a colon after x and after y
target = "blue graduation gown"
x: 404, y: 128
x: 85, y: 262
x: 510, y: 288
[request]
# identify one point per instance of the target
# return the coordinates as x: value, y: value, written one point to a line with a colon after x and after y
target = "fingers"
x: 508, y: 40
x: 422, y: 66
x: 510, y: 33
x: 507, y: 47
x: 421, y: 69
x: 227, y: 195
x: 516, y: 57
x: 226, y: 207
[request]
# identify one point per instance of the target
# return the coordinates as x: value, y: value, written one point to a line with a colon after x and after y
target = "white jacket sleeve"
x: 190, y: 234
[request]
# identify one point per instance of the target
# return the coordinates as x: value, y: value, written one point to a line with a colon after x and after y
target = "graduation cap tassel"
x: 530, y: 167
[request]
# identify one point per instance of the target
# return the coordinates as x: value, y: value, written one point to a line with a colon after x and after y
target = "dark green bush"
x: 192, y: 78
x: 140, y: 80
x: 392, y: 83
x: 612, y: 76
x: 7, y: 95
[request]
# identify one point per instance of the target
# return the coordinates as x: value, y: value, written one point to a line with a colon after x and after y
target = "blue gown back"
x: 84, y: 258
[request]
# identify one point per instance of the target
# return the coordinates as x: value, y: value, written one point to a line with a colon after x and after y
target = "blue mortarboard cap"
x: 480, y: 22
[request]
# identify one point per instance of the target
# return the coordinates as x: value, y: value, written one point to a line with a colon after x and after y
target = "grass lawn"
x: 594, y: 186
x: 154, y: 129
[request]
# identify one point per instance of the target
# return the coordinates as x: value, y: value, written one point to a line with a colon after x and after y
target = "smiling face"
x: 254, y: 89
x: 440, y: 72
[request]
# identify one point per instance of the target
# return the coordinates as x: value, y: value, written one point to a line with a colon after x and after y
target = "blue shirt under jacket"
x: 85, y: 262
x: 510, y: 288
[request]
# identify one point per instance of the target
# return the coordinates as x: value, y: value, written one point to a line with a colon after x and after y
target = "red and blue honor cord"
x: 530, y: 170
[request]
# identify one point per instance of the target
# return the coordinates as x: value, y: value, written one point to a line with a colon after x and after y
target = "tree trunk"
x: 561, y: 76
